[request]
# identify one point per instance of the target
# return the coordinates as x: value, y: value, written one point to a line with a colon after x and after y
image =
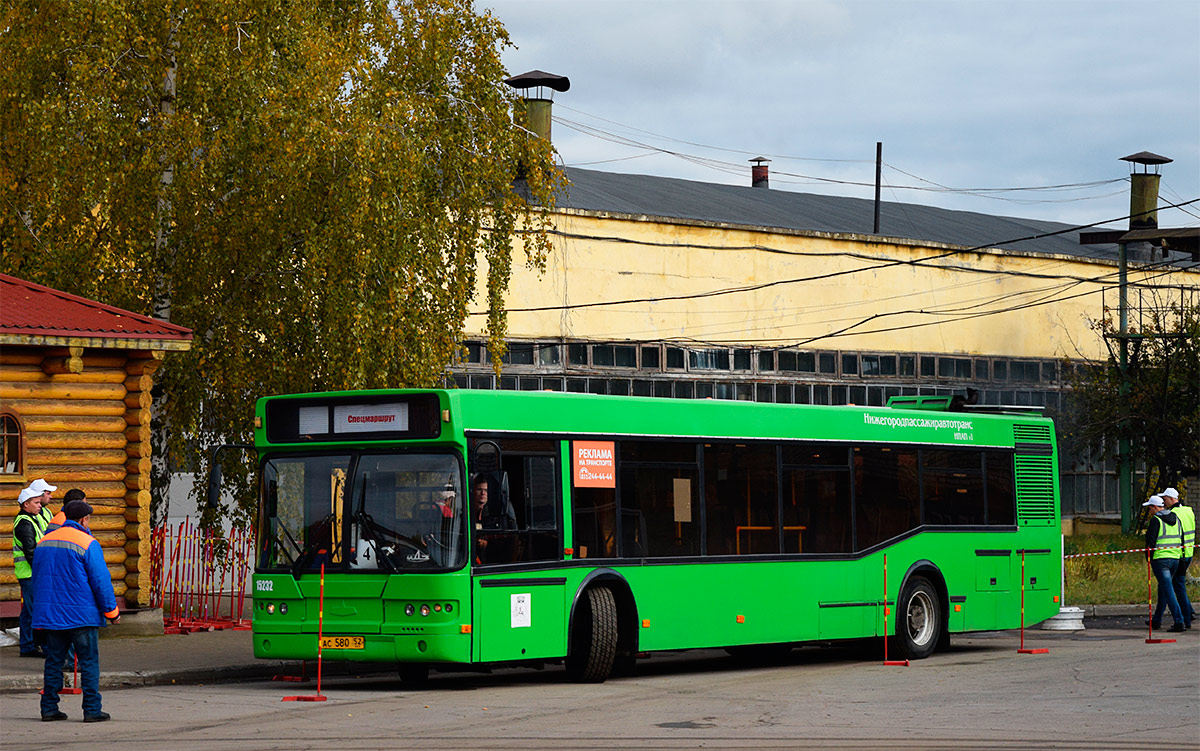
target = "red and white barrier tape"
x: 1118, y: 552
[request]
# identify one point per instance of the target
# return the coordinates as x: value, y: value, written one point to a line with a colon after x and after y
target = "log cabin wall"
x: 84, y: 419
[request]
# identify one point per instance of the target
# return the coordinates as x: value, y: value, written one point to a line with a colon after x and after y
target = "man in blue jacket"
x: 74, y: 595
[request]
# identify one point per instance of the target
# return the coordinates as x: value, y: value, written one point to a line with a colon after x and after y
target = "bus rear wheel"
x: 593, y: 637
x: 919, y: 621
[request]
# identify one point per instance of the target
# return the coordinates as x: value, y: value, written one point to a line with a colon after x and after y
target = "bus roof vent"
x: 932, y: 403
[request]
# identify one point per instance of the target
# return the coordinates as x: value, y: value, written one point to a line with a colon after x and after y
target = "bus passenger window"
x: 741, y: 499
x: 952, y: 484
x: 1001, y: 504
x: 660, y: 486
x: 594, y: 522
x: 887, y: 493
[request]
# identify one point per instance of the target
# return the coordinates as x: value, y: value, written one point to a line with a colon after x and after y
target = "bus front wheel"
x: 593, y: 637
x: 919, y: 620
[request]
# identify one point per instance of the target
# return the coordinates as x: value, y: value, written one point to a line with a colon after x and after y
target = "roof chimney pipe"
x: 759, y: 172
x: 537, y: 89
x: 1143, y: 189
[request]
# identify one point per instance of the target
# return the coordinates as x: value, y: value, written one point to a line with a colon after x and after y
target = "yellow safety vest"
x: 22, y: 568
x: 1187, y: 527
x: 1169, y: 540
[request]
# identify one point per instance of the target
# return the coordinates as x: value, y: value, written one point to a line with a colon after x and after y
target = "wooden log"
x: 115, y: 555
x: 75, y: 457
x: 58, y: 474
x: 137, y: 531
x: 139, y: 548
x: 137, y: 400
x: 137, y: 499
x: 137, y: 515
x: 139, y: 434
x: 94, y: 359
x: 22, y: 356
x: 136, y: 449
x: 115, y: 440
x: 118, y: 575
x: 58, y: 390
x: 144, y: 362
x: 64, y: 407
x: 138, y: 466
x: 34, y: 374
x: 10, y: 591
x: 136, y: 482
x: 106, y: 522
x: 95, y: 491
x: 136, y: 416
x: 133, y: 565
x: 73, y: 424
x: 62, y: 365
x: 110, y: 538
x: 138, y: 383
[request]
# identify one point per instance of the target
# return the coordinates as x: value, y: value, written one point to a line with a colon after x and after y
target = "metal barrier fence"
x: 199, y: 577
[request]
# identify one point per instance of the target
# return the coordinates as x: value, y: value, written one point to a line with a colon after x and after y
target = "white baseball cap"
x: 1170, y: 493
x: 26, y: 494
x: 1154, y: 501
x: 40, y: 486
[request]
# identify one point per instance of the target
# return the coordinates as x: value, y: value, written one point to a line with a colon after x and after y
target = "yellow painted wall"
x: 664, y: 258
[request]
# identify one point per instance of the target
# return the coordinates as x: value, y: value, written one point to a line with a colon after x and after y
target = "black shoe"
x: 1176, y: 628
x: 54, y: 717
x: 35, y: 653
x: 1155, y: 626
x: 98, y: 717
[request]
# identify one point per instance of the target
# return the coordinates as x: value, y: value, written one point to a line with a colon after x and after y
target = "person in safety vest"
x: 1187, y: 521
x: 75, y: 595
x: 28, y: 528
x: 44, y: 489
x: 1164, y: 548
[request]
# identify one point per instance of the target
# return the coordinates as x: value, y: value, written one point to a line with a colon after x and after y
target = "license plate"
x: 342, y: 642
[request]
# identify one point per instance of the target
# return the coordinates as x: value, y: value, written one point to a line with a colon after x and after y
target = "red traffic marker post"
x: 1150, y: 607
x: 75, y: 689
x: 1022, y: 650
x: 886, y: 612
x: 320, y: 633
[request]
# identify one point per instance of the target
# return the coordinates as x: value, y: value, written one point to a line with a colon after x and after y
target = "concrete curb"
x: 1112, y: 610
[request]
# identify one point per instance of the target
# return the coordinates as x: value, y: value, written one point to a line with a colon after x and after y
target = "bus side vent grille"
x: 1035, y: 490
x: 1031, y: 433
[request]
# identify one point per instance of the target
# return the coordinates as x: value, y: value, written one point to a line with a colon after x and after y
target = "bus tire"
x: 919, y: 621
x: 414, y: 675
x: 593, y: 637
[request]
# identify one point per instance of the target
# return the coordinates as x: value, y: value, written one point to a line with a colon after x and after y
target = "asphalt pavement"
x: 228, y: 655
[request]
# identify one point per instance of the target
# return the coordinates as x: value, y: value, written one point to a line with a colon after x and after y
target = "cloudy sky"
x: 964, y: 95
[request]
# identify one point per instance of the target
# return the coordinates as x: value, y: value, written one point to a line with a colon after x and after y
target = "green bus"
x: 470, y: 527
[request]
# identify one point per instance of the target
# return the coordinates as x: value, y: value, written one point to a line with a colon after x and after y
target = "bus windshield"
x: 388, y: 512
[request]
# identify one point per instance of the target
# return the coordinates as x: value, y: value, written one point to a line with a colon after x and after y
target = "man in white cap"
x: 44, y: 489
x: 1164, y: 547
x: 28, y: 528
x: 1187, y: 522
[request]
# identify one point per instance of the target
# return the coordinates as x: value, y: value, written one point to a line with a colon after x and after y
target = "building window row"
x: 669, y: 358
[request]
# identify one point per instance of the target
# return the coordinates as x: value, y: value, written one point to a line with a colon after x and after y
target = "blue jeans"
x: 1181, y: 595
x: 25, y: 621
x: 86, y: 641
x: 1164, y: 571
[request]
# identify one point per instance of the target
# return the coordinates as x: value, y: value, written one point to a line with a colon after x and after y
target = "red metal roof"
x: 33, y: 310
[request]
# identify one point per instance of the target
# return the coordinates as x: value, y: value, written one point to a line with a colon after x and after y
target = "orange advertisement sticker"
x: 595, y: 464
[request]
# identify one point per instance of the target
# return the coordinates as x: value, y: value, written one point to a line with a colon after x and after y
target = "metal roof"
x: 32, y: 310
x: 668, y: 197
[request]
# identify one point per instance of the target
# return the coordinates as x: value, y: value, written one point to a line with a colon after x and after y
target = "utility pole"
x: 878, y: 180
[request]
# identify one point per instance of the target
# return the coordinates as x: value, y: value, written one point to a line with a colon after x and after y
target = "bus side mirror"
x: 213, y: 501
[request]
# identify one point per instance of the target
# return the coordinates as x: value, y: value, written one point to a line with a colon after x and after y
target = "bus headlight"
x: 409, y: 609
x: 283, y: 608
x: 270, y: 608
x: 424, y: 610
